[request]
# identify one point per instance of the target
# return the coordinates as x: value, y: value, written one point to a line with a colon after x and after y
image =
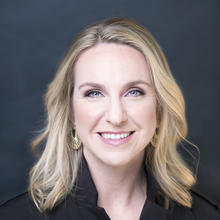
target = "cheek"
x: 85, y: 114
x: 144, y: 115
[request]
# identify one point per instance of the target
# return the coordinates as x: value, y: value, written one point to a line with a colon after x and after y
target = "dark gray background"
x: 34, y: 36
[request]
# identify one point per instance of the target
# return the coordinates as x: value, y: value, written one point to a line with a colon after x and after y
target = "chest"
x: 150, y: 211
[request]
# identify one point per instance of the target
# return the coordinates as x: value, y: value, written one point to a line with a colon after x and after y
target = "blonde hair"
x: 54, y: 175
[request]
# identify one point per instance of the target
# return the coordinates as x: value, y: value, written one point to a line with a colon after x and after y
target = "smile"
x: 115, y: 138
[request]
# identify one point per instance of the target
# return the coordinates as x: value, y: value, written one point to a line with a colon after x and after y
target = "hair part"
x: 54, y: 175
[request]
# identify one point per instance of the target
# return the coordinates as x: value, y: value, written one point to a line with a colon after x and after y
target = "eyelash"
x: 137, y: 90
x: 88, y: 93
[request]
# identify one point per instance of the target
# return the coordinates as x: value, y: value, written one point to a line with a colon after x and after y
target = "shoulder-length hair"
x: 54, y: 175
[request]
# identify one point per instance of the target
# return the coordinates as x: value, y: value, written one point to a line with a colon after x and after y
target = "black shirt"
x: 81, y: 204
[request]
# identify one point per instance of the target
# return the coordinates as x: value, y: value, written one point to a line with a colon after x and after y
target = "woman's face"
x: 114, y: 104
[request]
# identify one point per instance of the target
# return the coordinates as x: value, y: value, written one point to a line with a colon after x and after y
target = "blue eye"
x: 93, y: 94
x: 135, y: 93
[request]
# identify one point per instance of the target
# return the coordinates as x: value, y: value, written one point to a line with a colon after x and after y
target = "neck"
x: 119, y: 186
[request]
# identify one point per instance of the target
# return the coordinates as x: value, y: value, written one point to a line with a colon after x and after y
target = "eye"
x: 135, y: 92
x: 93, y: 94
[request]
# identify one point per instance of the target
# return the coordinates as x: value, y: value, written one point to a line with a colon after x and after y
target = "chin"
x: 117, y: 159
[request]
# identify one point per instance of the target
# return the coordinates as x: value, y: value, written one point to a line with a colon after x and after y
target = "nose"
x: 116, y: 113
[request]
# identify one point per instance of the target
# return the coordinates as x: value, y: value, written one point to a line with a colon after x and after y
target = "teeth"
x: 115, y: 136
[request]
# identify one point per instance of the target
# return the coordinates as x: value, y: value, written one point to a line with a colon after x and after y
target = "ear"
x: 158, y: 114
x: 71, y: 114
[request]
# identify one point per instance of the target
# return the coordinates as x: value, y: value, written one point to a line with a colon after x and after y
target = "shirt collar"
x: 86, y: 188
x: 86, y: 195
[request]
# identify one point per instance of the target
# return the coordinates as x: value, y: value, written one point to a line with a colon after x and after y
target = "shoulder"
x: 204, y: 208
x: 19, y: 207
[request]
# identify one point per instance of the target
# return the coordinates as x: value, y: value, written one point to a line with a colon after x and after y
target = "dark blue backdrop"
x: 34, y: 36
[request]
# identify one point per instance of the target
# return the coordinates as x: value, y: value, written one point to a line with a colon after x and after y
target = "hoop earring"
x: 75, y: 141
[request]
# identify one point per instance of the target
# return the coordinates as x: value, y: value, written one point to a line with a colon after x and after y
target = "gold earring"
x: 75, y: 141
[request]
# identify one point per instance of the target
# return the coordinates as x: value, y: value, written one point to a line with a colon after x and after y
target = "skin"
x: 115, y: 103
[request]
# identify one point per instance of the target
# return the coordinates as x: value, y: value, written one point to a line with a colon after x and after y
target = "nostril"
x: 115, y: 117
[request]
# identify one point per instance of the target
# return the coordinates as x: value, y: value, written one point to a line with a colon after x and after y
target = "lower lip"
x: 116, y: 141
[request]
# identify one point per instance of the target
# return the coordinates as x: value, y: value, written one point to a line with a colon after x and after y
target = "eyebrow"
x: 129, y: 84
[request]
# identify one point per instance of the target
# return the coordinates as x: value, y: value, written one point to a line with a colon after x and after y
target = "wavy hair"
x: 55, y: 173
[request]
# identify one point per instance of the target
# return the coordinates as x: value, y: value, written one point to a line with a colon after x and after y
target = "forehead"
x: 111, y: 63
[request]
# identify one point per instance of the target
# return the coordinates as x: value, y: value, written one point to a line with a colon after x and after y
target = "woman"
x: 115, y: 116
